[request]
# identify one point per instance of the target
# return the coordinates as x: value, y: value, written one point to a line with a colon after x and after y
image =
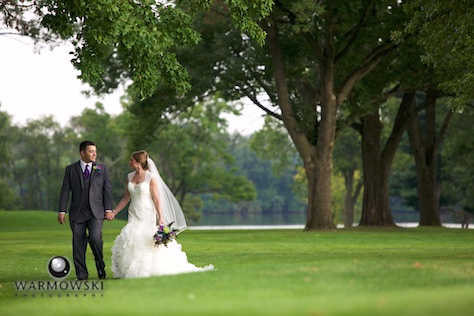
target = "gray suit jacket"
x: 100, y: 193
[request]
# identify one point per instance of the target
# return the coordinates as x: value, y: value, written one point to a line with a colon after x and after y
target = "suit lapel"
x: 93, y: 171
x: 79, y: 173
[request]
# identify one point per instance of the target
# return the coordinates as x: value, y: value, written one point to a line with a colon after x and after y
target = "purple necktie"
x: 87, y: 172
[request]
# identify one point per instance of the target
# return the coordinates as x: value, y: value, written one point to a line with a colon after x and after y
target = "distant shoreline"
x: 299, y: 226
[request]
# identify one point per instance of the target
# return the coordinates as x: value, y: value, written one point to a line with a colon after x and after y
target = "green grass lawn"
x: 358, y: 271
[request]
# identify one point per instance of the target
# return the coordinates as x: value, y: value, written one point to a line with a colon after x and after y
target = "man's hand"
x: 61, y: 218
x: 109, y: 216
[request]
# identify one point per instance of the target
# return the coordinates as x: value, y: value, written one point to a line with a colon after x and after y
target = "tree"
x: 402, y: 73
x: 457, y: 161
x: 444, y: 31
x: 402, y: 180
x: 347, y: 162
x: 23, y: 18
x: 425, y: 142
x: 307, y: 44
x: 273, y: 144
x: 274, y: 150
x: 8, y: 198
x: 191, y: 151
x: 275, y: 197
x: 119, y: 40
x: 377, y: 159
x: 99, y: 126
x: 34, y: 159
x: 5, y: 143
x: 315, y: 54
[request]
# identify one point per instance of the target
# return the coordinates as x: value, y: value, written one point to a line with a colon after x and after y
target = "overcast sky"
x: 35, y: 84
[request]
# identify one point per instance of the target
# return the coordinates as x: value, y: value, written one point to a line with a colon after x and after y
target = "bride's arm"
x: 123, y: 202
x: 156, y: 200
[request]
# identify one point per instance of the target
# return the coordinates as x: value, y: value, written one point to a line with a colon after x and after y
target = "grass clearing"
x: 357, y: 271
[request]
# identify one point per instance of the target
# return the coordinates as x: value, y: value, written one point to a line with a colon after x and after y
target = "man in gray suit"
x: 89, y: 185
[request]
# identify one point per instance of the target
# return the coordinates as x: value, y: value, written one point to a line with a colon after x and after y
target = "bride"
x: 134, y: 254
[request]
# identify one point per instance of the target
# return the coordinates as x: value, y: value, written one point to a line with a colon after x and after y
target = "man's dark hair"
x: 84, y: 145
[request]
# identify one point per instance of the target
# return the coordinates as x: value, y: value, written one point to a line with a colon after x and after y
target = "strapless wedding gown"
x: 134, y: 254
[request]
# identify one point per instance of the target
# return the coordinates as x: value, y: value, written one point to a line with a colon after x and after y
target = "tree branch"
x: 405, y: 114
x: 267, y: 90
x: 312, y: 41
x: 279, y: 73
x: 359, y: 186
x: 444, y: 129
x: 355, y: 31
x: 369, y: 63
x: 254, y: 99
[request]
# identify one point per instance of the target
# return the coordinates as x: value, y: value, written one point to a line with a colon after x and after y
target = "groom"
x: 91, y: 202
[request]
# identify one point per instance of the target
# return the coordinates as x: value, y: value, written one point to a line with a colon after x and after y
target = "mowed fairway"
x: 358, y: 271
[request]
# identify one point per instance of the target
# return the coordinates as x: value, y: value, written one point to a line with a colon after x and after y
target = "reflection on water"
x: 291, y: 220
x: 251, y: 219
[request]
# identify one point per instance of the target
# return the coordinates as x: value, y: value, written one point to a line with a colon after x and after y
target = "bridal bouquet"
x: 165, y: 234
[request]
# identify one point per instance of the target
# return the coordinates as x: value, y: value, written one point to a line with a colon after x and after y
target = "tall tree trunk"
x: 319, y: 173
x: 350, y: 197
x: 317, y: 158
x: 425, y: 147
x: 376, y: 162
x: 348, y: 215
x: 316, y: 146
x: 319, y: 216
x: 375, y: 207
x: 322, y: 216
x: 428, y: 199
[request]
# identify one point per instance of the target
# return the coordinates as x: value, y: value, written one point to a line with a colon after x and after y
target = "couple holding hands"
x: 134, y: 254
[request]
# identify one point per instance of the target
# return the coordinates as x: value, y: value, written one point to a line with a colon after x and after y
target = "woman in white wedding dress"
x: 134, y: 254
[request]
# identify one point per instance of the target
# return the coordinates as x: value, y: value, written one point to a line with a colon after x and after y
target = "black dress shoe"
x: 101, y: 274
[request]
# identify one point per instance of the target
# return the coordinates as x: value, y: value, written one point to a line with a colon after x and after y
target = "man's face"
x: 89, y: 154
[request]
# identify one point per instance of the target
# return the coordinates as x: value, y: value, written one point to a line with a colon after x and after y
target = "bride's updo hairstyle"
x: 141, y: 156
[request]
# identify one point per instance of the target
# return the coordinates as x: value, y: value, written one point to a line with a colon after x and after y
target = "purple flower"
x: 97, y: 168
x: 165, y: 234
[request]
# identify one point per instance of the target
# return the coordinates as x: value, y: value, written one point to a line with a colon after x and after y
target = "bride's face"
x: 133, y: 163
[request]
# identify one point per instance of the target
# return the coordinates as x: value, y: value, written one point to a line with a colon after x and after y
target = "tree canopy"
x: 116, y: 41
x: 318, y: 67
x: 444, y: 29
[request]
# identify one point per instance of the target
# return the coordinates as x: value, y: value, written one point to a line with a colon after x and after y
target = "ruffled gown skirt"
x: 134, y: 254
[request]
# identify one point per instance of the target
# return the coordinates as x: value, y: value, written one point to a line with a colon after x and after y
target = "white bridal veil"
x: 170, y: 207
